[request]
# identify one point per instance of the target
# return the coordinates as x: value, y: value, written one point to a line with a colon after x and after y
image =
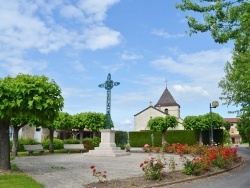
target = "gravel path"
x: 73, y: 170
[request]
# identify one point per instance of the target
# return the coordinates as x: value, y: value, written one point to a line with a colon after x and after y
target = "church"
x: 165, y: 106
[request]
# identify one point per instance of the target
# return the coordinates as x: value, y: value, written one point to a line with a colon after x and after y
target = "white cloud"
x: 166, y: 35
x: 34, y: 26
x: 196, y: 90
x: 126, y: 125
x: 70, y: 11
x: 130, y: 56
x: 96, y: 9
x: 78, y: 66
x: 101, y: 37
x: 205, y: 65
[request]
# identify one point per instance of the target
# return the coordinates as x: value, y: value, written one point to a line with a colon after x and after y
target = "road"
x: 238, y: 178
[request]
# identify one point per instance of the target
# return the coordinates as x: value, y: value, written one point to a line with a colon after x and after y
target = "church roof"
x: 166, y: 99
x: 148, y: 108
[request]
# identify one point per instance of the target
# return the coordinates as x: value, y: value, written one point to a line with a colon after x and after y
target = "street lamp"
x: 213, y: 105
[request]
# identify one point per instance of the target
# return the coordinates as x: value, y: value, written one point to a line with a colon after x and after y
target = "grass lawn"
x: 17, y: 179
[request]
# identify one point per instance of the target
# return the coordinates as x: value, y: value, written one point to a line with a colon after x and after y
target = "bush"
x: 88, y: 143
x: 140, y: 138
x: 21, y: 142
x: 71, y: 141
x: 121, y: 137
x: 96, y: 141
x: 189, y: 137
x: 58, y: 144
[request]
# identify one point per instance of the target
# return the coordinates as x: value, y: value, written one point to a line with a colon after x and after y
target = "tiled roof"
x: 166, y: 99
x: 147, y: 109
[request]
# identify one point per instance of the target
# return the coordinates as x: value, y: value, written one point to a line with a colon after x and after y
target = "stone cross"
x: 108, y: 85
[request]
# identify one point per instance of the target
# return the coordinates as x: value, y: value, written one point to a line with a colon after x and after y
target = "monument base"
x: 107, y: 146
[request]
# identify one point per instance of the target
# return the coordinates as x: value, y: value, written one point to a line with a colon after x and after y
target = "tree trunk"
x: 51, y: 139
x: 200, y: 137
x: 81, y: 135
x: 4, y: 145
x: 163, y: 140
x: 15, y: 140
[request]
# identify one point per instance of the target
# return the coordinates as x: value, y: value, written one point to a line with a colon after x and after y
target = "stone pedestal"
x: 107, y: 146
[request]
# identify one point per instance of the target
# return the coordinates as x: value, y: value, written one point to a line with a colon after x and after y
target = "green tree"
x: 243, y: 126
x: 225, y: 19
x: 162, y: 124
x: 217, y: 121
x: 227, y: 125
x: 17, y: 124
x: 25, y: 97
x: 235, y: 84
x: 194, y: 123
x: 64, y: 122
x: 79, y: 123
x: 95, y: 121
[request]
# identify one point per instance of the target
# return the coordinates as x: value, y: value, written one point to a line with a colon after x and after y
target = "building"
x: 37, y: 133
x: 234, y: 133
x: 165, y: 106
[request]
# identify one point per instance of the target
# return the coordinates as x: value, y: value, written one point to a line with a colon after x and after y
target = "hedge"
x: 139, y: 138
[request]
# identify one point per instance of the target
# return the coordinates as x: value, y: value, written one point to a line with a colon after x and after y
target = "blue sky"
x: 141, y: 43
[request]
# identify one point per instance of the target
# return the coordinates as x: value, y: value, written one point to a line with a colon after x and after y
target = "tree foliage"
x: 202, y: 122
x: 162, y: 124
x: 95, y: 121
x: 243, y: 126
x: 227, y: 125
x: 236, y: 83
x: 225, y: 19
x: 193, y: 123
x: 64, y: 121
x: 26, y: 97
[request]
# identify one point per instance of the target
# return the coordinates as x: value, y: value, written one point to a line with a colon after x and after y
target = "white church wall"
x: 172, y: 110
x: 142, y: 119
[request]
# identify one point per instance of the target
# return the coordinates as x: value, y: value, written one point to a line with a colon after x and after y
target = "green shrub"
x: 121, y: 137
x: 71, y: 141
x: 58, y: 144
x: 226, y: 137
x: 189, y: 137
x: 88, y: 143
x: 140, y: 138
x: 21, y: 142
x: 96, y: 141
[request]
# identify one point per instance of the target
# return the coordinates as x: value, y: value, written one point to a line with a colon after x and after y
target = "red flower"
x: 92, y: 166
x: 141, y: 165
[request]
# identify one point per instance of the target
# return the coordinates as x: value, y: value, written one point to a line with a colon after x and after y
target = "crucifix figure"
x: 108, y: 85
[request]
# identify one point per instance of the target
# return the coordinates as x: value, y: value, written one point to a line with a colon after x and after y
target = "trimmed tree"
x: 64, y: 122
x: 194, y: 123
x: 17, y: 124
x: 79, y: 123
x: 25, y: 97
x: 95, y: 121
x: 162, y: 124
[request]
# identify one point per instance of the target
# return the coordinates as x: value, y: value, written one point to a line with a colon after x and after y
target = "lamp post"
x: 213, y: 105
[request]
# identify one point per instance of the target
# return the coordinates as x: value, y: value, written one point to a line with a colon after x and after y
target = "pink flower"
x: 154, y: 163
x: 146, y: 146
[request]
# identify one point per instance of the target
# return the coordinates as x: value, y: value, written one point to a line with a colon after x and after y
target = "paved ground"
x: 73, y: 170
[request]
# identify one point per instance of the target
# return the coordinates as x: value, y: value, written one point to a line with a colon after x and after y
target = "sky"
x: 144, y: 45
